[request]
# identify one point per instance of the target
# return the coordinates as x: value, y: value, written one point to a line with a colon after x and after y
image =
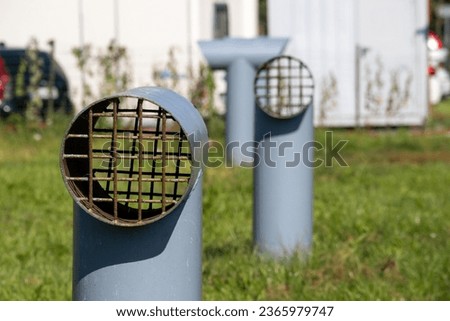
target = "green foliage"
x: 168, y: 75
x: 51, y: 83
x: 111, y: 65
x: 201, y: 84
x: 20, y: 89
x: 83, y: 56
x: 35, y: 214
x: 114, y: 76
x: 381, y: 225
x: 262, y: 17
x: 114, y: 69
x: 201, y: 91
x: 34, y: 108
x: 437, y: 23
x: 30, y: 64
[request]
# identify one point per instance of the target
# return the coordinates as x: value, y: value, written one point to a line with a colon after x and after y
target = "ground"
x: 381, y: 224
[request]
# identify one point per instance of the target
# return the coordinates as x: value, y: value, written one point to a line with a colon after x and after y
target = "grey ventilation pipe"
x: 133, y: 164
x: 283, y: 174
x: 240, y: 58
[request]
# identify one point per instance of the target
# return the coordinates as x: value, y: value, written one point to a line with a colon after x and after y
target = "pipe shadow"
x: 98, y: 245
x: 267, y: 125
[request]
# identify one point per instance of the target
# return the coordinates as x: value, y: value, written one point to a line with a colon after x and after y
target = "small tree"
x: 201, y: 91
x: 83, y: 55
x: 31, y: 65
x: 201, y: 84
x: 167, y: 76
x: 113, y: 69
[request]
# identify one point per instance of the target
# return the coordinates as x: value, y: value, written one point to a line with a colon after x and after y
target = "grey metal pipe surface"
x: 240, y: 57
x: 283, y: 185
x: 160, y: 261
x: 239, y: 125
x: 137, y: 197
x: 283, y: 173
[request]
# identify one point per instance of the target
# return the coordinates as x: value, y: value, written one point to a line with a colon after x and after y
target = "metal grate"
x: 127, y: 161
x: 284, y: 87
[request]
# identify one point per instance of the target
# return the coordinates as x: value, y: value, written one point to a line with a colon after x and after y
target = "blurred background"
x: 381, y: 224
x: 375, y: 63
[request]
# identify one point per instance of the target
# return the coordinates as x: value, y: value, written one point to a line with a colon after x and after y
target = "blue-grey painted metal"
x: 283, y: 183
x: 239, y: 125
x: 220, y: 53
x: 240, y: 57
x: 160, y: 261
x: 156, y: 261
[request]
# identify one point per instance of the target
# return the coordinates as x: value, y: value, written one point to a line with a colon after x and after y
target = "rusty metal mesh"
x: 284, y: 87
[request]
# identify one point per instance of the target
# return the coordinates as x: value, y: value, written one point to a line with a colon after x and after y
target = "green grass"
x: 35, y: 216
x: 381, y: 225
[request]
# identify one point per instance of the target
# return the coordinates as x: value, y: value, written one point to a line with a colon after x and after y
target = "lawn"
x: 381, y: 224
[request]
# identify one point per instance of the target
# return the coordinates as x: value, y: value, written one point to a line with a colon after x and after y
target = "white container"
x: 368, y: 58
x: 149, y: 29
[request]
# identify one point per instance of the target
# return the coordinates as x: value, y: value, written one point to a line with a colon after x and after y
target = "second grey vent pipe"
x: 240, y: 58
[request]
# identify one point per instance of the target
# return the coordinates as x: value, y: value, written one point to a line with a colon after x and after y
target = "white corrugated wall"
x: 368, y: 57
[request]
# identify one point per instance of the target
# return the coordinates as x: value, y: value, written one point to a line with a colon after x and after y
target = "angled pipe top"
x: 222, y: 52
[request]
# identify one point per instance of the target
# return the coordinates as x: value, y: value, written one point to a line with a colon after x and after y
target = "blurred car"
x: 439, y: 77
x: 5, y: 86
x: 57, y: 93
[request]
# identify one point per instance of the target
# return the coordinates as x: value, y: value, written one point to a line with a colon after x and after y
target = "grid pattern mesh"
x: 138, y: 162
x: 284, y: 87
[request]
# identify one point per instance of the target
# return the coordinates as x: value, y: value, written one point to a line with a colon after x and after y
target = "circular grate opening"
x: 127, y: 161
x: 284, y: 87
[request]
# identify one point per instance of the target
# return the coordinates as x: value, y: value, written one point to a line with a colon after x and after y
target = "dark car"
x: 56, y: 94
